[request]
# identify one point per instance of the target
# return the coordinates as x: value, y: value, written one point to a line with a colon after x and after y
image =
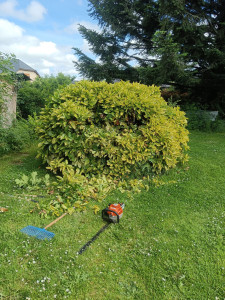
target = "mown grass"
x: 168, y: 245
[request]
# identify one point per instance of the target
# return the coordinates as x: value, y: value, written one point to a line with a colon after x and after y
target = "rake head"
x: 39, y: 233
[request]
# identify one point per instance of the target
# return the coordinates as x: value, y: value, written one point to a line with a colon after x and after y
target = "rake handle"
x: 56, y: 220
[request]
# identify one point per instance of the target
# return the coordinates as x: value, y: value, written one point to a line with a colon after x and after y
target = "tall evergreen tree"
x: 126, y: 37
x: 179, y: 42
x: 199, y: 28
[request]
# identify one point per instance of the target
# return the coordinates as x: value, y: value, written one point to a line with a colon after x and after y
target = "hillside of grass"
x: 168, y: 245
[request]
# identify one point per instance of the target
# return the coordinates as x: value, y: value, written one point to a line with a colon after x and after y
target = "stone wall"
x: 9, y: 113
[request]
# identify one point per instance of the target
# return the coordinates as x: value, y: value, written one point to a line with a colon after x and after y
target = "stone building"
x: 24, y: 72
x: 19, y: 67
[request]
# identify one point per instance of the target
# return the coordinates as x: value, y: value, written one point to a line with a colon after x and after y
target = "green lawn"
x: 168, y: 245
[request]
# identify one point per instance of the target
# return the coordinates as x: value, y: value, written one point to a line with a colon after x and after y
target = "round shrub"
x: 95, y: 128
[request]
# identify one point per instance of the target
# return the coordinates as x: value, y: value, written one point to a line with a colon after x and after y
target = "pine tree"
x: 127, y: 29
x: 178, y: 42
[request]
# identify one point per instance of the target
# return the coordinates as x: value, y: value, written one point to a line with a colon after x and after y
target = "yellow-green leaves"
x: 94, y: 135
x: 112, y: 130
x: 96, y: 209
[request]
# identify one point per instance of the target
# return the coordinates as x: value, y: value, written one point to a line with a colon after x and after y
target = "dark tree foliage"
x: 177, y: 42
x: 127, y: 30
x: 199, y: 28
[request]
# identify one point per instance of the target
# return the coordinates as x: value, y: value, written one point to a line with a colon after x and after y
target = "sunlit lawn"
x: 168, y: 245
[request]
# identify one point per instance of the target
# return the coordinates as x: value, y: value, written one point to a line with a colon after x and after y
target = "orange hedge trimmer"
x: 112, y: 214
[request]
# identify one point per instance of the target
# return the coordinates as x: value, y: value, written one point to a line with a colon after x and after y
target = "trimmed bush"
x: 95, y: 128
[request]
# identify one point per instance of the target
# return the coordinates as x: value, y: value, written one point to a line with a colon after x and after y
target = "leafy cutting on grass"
x: 32, y: 181
x: 23, y: 182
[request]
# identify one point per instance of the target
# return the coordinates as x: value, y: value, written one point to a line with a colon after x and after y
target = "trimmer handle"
x: 105, y: 215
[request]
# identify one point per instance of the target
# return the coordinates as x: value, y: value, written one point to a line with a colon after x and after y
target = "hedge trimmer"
x: 112, y: 214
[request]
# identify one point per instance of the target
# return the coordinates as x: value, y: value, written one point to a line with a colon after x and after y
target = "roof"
x: 18, y: 64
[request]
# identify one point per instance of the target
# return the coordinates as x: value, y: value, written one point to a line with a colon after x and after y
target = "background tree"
x: 114, y: 62
x: 127, y: 30
x: 177, y: 42
x: 32, y: 96
x: 199, y: 27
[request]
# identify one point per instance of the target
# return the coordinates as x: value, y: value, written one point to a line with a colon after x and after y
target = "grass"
x: 168, y: 245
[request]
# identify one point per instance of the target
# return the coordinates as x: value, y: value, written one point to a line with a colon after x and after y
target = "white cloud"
x: 73, y: 28
x: 44, y: 56
x: 47, y: 63
x: 46, y: 49
x: 10, y: 32
x: 80, y: 2
x: 85, y: 47
x: 45, y: 71
x: 34, y: 12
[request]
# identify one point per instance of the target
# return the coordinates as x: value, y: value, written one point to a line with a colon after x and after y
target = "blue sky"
x: 42, y: 33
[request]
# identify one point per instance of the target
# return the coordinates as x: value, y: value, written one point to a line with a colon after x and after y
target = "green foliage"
x: 48, y: 84
x: 15, y: 138
x: 23, y: 181
x: 98, y: 136
x: 32, y: 181
x: 169, y: 243
x: 111, y: 129
x: 127, y: 30
x: 32, y: 96
x: 29, y: 100
x: 170, y: 64
x: 148, y: 75
x: 109, y: 69
x: 200, y: 119
x: 154, y: 42
x: 199, y: 28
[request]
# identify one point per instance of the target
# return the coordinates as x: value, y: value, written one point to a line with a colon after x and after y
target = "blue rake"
x: 41, y: 233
